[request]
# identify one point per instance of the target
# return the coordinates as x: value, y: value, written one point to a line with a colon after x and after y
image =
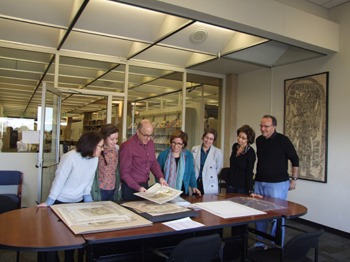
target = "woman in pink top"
x: 106, y: 185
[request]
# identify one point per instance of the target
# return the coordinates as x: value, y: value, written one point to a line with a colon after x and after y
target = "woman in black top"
x: 242, y: 162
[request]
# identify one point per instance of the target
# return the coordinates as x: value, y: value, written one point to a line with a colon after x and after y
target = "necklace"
x: 239, y: 150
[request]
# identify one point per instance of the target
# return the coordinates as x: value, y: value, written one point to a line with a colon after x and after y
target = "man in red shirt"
x: 137, y: 160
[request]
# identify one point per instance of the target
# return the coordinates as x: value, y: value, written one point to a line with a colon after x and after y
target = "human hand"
x: 142, y: 189
x: 42, y: 205
x: 163, y: 182
x: 196, y: 191
x: 292, y: 184
x: 255, y: 195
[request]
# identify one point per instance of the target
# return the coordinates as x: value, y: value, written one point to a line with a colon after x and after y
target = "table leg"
x: 81, y: 254
x: 244, y: 243
x: 279, y: 232
x: 89, y: 253
x: 48, y: 256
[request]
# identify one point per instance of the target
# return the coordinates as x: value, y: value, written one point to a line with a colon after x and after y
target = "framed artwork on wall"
x: 306, y: 123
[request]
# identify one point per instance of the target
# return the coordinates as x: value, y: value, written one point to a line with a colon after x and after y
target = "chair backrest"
x: 223, y: 178
x: 203, y: 248
x: 7, y: 204
x: 298, y: 247
x: 11, y: 183
x: 224, y: 174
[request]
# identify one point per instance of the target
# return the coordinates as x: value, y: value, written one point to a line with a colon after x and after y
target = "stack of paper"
x: 100, y: 216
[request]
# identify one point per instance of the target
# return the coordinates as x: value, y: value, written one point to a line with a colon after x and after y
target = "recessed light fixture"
x: 199, y: 35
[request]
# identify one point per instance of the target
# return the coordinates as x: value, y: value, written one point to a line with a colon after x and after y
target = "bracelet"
x: 294, y: 178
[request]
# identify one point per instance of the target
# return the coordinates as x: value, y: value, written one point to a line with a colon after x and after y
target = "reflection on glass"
x: 48, y: 118
x: 11, y: 131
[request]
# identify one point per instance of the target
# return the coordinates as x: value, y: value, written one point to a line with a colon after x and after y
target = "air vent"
x: 199, y: 36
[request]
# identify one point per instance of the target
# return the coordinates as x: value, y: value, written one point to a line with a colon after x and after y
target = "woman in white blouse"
x: 208, y: 162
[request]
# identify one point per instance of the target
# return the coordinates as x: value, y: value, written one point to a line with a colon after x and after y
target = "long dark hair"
x: 87, y: 143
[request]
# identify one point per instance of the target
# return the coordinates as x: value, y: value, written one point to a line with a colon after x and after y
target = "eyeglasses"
x: 242, y: 137
x: 209, y: 138
x: 146, y: 136
x: 265, y: 126
x: 176, y: 144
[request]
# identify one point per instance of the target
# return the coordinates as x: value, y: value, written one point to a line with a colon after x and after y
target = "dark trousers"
x: 107, y: 195
x: 128, y: 193
x: 231, y: 189
x: 200, y: 185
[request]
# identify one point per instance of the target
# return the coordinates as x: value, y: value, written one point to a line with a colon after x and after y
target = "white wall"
x: 327, y: 203
x: 269, y: 18
x: 24, y: 162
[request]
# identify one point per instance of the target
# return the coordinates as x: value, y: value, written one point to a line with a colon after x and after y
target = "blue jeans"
x: 277, y: 190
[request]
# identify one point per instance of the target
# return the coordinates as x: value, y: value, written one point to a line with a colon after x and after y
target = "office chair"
x: 295, y: 249
x: 10, y: 192
x: 11, y: 185
x: 204, y: 248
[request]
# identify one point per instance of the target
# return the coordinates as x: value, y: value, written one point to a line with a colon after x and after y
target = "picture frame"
x: 306, y: 123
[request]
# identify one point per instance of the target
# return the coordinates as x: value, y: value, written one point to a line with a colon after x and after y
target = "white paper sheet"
x: 228, y: 209
x: 182, y: 224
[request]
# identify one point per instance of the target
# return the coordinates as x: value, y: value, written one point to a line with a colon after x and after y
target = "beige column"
x: 68, y: 130
x: 230, y: 119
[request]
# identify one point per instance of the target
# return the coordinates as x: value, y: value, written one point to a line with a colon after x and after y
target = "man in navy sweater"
x: 274, y: 150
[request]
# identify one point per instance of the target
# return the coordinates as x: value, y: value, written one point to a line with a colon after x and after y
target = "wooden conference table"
x: 210, y: 221
x: 39, y: 229
x: 36, y: 229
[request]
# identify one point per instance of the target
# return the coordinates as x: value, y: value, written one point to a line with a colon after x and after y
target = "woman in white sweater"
x: 208, y: 162
x: 76, y: 171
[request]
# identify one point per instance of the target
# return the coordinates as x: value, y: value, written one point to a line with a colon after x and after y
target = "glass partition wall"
x: 170, y: 104
x: 171, y: 98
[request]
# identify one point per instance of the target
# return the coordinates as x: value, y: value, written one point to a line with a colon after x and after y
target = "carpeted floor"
x: 333, y: 248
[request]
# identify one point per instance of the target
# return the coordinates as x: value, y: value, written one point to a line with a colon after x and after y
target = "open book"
x: 159, y: 194
x: 92, y: 217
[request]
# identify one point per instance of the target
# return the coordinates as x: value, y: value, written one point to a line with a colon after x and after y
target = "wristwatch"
x: 294, y: 178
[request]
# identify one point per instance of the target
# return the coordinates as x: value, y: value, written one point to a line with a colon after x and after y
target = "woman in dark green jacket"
x: 106, y: 186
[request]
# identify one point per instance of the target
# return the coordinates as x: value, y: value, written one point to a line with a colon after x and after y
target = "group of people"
x: 97, y: 170
x: 191, y: 172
